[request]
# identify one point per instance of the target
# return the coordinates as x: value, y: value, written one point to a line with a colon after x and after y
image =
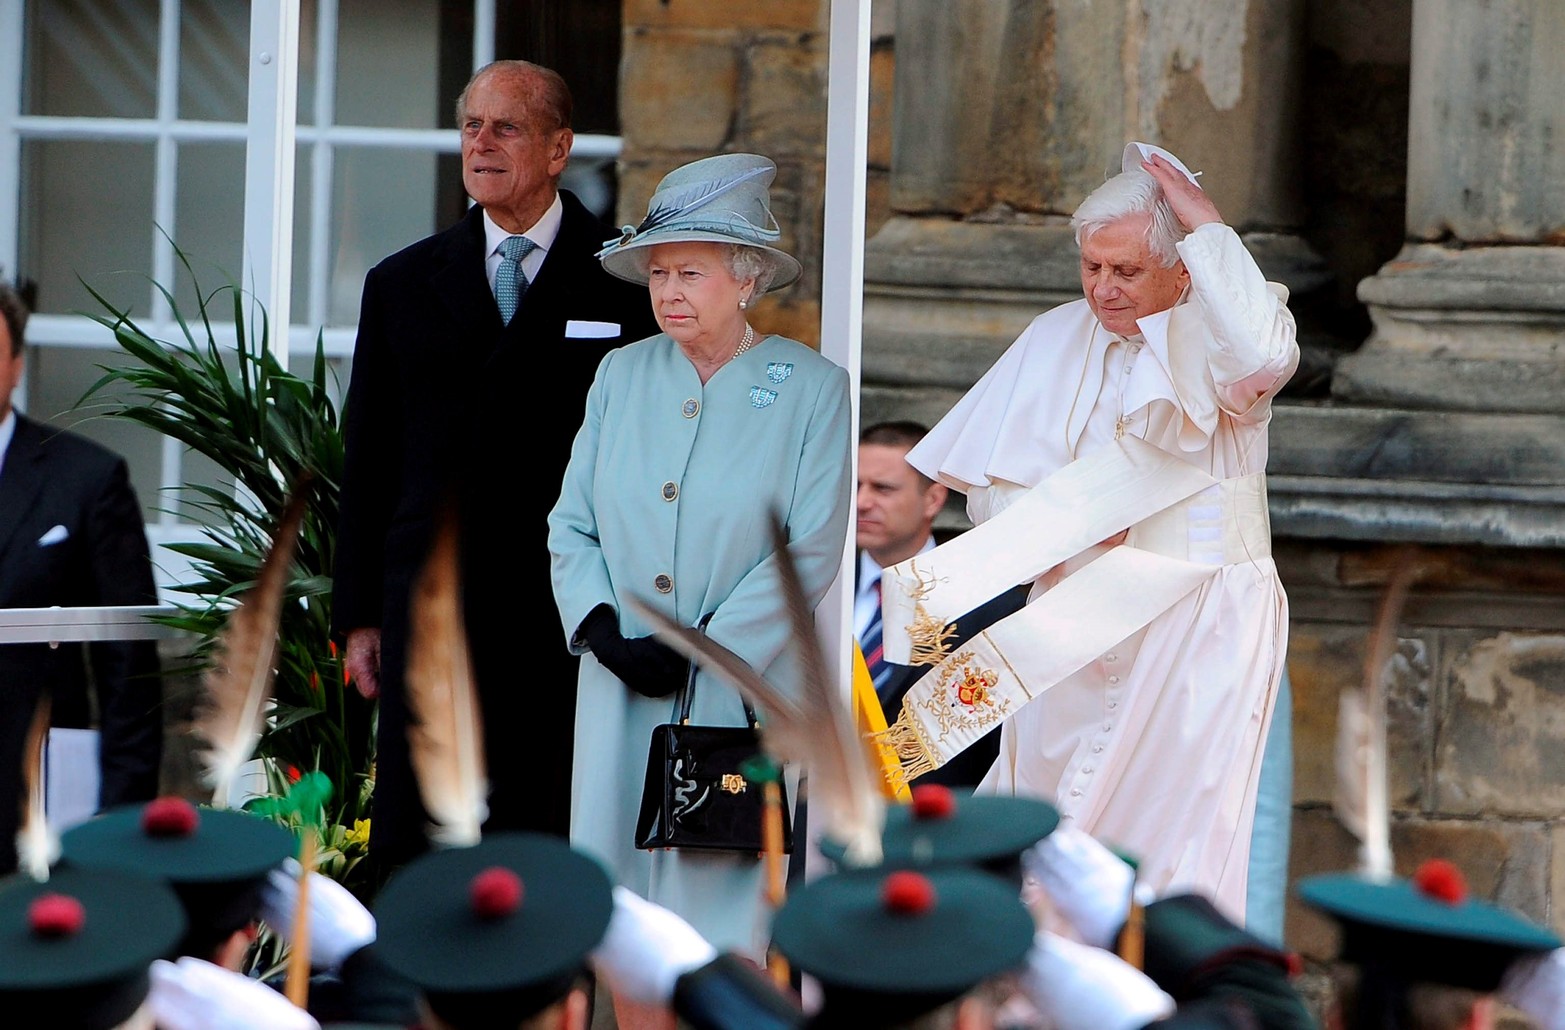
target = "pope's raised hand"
x: 1190, y: 203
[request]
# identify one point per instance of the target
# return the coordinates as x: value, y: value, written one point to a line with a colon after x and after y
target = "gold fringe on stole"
x: 930, y: 638
x: 903, y: 739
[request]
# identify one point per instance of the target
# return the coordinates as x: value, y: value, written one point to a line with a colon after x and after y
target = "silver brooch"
x: 761, y: 397
x: 777, y: 371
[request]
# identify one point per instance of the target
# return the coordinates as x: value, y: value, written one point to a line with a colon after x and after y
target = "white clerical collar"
x: 542, y: 232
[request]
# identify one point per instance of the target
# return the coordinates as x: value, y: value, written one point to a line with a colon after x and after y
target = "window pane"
x: 213, y: 36
x: 87, y: 211
x: 209, y: 216
x: 56, y: 379
x: 91, y: 57
x: 388, y: 65
x: 383, y: 201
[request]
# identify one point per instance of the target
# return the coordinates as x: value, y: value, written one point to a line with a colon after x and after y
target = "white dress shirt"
x: 8, y: 430
x: 542, y: 234
x: 867, y: 598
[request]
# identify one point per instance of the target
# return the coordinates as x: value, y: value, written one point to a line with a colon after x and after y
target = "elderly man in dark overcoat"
x: 475, y: 350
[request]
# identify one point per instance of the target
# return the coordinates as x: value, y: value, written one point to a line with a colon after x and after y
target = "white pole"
x: 269, y: 161
x: 842, y: 263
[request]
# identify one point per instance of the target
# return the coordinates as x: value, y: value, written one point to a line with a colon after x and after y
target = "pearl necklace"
x: 746, y: 341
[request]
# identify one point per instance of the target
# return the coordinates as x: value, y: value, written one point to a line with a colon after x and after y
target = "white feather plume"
x: 446, y: 735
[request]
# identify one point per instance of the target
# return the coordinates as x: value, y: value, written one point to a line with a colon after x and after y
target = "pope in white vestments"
x: 1154, y: 745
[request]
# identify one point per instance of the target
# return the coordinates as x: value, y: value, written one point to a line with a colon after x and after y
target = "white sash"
x: 990, y: 677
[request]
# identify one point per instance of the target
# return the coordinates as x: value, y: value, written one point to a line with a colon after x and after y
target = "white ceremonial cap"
x: 1135, y: 153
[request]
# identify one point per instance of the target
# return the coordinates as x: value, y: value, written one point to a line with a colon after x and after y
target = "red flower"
x: 293, y: 773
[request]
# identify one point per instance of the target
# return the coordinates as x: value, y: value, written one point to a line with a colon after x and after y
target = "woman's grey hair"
x: 742, y: 262
x: 1132, y: 193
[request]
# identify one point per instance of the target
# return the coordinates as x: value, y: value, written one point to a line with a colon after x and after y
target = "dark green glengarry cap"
x: 889, y: 946
x: 502, y: 928
x: 75, y: 950
x: 941, y: 827
x: 215, y: 859
x: 1425, y: 929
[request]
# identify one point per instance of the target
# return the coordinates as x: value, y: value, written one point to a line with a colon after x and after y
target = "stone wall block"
x: 1500, y: 729
x: 746, y: 14
x: 783, y: 113
x: 882, y: 68
x: 679, y: 89
x: 1325, y: 659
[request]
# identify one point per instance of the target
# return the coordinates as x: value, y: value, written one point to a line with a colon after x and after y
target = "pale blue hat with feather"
x: 722, y: 199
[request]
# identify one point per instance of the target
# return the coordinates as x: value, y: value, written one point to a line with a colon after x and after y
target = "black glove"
x: 645, y: 665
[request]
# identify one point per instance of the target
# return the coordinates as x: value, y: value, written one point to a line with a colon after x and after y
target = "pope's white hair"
x: 1127, y: 194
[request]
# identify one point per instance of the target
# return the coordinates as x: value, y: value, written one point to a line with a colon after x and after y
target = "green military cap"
x: 1425, y: 930
x: 890, y: 946
x: 500, y: 929
x: 75, y: 950
x: 939, y: 827
x: 215, y: 859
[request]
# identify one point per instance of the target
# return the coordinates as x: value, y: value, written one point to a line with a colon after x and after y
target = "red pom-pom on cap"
x: 1442, y: 881
x: 496, y: 892
x: 169, y: 817
x: 908, y: 893
x: 932, y: 801
x: 55, y: 915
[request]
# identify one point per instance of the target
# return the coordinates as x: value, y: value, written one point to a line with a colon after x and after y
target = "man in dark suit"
x: 71, y: 534
x: 897, y: 506
x: 475, y: 351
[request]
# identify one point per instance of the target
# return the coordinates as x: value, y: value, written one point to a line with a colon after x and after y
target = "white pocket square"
x: 54, y: 536
x: 581, y: 330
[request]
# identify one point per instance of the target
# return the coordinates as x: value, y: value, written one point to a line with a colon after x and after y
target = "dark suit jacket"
x: 57, y: 479
x: 445, y: 402
x: 969, y: 767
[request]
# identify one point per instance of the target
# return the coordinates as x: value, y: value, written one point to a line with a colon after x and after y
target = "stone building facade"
x: 1399, y: 164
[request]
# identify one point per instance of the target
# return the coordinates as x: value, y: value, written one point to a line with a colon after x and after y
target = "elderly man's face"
x: 1121, y: 279
x: 509, y: 163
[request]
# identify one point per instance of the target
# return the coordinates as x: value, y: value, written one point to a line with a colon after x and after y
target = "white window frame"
x: 269, y: 177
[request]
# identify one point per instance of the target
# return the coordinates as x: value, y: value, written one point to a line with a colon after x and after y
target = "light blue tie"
x: 510, y: 283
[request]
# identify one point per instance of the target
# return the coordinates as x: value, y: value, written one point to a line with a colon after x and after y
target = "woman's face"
x: 695, y: 298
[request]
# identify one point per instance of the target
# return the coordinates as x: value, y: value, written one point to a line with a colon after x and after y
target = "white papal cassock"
x: 1155, y: 745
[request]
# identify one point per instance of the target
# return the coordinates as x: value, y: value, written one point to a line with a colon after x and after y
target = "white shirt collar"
x: 870, y: 570
x: 542, y: 232
x: 7, y: 431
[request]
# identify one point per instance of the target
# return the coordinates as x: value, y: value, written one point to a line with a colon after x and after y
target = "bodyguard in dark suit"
x: 71, y: 534
x: 896, y: 506
x: 476, y: 347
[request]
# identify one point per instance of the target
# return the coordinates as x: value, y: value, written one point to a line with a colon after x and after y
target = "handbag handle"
x: 687, y: 693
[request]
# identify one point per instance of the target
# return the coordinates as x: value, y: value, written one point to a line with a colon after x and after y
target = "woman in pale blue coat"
x: 692, y: 438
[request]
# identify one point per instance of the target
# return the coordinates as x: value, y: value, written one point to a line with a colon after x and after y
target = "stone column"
x: 1007, y: 113
x: 1471, y: 314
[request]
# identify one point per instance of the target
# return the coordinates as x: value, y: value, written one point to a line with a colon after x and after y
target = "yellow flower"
x: 359, y: 835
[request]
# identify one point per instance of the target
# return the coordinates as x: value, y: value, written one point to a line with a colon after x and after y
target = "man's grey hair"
x: 549, y: 103
x: 1127, y: 194
x: 741, y: 260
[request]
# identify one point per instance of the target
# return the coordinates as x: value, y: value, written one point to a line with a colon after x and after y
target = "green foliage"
x: 266, y: 428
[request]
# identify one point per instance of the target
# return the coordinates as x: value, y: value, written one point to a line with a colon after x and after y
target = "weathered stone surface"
x: 1500, y: 727
x: 1485, y: 158
x: 1426, y: 476
x: 773, y: 14
x: 784, y: 110
x: 1325, y: 660
x: 1320, y: 845
x: 679, y: 90
x: 882, y: 83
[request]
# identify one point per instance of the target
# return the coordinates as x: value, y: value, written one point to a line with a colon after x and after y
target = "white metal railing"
x: 70, y: 625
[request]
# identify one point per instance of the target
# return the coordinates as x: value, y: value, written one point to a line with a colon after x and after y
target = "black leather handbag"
x: 696, y: 794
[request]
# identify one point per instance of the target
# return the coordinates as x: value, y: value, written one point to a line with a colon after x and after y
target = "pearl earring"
x: 743, y: 303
